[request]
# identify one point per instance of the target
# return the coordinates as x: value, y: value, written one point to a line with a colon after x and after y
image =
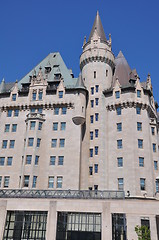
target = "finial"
x: 97, y: 12
x: 3, y: 80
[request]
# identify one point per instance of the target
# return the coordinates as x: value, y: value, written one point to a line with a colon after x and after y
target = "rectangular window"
x: 40, y: 95
x: 119, y: 144
x: 118, y: 110
x: 54, y: 143
x: 59, y: 182
x: 60, y: 94
x: 14, y: 96
x: 91, y: 152
x: 141, y: 162
x: 32, y: 125
x: 96, y: 150
x: 142, y: 184
x: 6, y: 181
x: 55, y: 126
x: 120, y: 184
x: 139, y: 93
x: 2, y: 160
x: 40, y: 126
x: 95, y: 168
x: 140, y: 143
x: 16, y: 112
x: 117, y: 94
x: 92, y: 90
x: 26, y: 181
x: 38, y: 142
x: 32, y: 110
x: 154, y: 147
x: 34, y: 181
x: 119, y: 226
x: 63, y: 126
x: 28, y: 159
x: 30, y: 142
x: 4, y: 143
x: 96, y: 133
x: 62, y: 142
x: 145, y: 222
x: 40, y: 110
x: 56, y: 111
x: 0, y: 181
x: 90, y: 170
x: 12, y: 143
x: 139, y: 126
x: 34, y: 96
x: 155, y: 165
x: 120, y: 161
x: 7, y: 127
x: 96, y: 187
x: 52, y: 160
x: 9, y: 113
x: 64, y: 110
x: 92, y: 103
x: 14, y: 127
x: 91, y: 118
x: 97, y: 101
x: 91, y: 135
x: 153, y: 130
x: 36, y: 160
x: 96, y: 117
x: 138, y: 110
x: 60, y: 160
x: 97, y: 88
x: 95, y: 74
x: 9, y: 161
x: 51, y: 182
x: 157, y: 185
x: 119, y: 127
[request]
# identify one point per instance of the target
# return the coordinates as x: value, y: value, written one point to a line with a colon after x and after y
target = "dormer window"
x: 40, y: 95
x: 14, y: 96
x: 117, y: 94
x: 139, y: 93
x: 57, y: 75
x: 34, y: 96
x: 60, y: 94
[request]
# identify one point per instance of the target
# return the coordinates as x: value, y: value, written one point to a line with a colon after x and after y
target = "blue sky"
x: 31, y: 29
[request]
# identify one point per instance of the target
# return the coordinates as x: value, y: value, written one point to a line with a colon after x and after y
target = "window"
x: 145, y: 222
x: 56, y: 111
x: 9, y: 161
x: 139, y: 93
x: 60, y: 160
x: 14, y: 97
x: 38, y: 142
x: 52, y: 160
x: 117, y: 94
x: 141, y: 162
x: 12, y: 142
x: 142, y: 184
x: 91, y: 118
x: 96, y: 133
x: 59, y: 182
x: 60, y: 94
x: 63, y: 126
x: 32, y: 125
x: 40, y: 125
x: 139, y: 126
x: 64, y: 110
x: 6, y: 181
x: 28, y: 159
x: 119, y: 144
x: 119, y: 226
x: 155, y: 165
x: 26, y: 181
x: 92, y: 103
x: 51, y: 182
x: 97, y: 88
x: 9, y: 113
x: 120, y: 184
x: 154, y: 147
x: 157, y: 185
x: 7, y: 127
x: 55, y: 126
x: 34, y: 96
x: 14, y: 127
x: 54, y: 143
x: 0, y: 181
x: 16, y: 112
x: 91, y: 135
x: 2, y: 159
x: 34, y: 181
x: 96, y: 187
x: 40, y: 95
x: 92, y: 90
x: 4, y: 143
x: 91, y: 152
x: 90, y: 170
x: 97, y: 101
x: 96, y: 150
x: 36, y: 160
x: 119, y: 127
x: 40, y: 110
x: 153, y: 130
x: 95, y: 74
x: 138, y: 110
x: 96, y: 117
x: 140, y: 143
x: 95, y: 168
x: 120, y: 161
x: 62, y: 142
x: 32, y: 110
x: 118, y: 110
x: 30, y: 142
x: 106, y: 73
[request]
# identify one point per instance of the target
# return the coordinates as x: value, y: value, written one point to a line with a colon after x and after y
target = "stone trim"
x: 97, y: 59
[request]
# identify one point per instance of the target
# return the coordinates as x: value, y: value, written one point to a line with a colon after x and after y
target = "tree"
x: 143, y: 232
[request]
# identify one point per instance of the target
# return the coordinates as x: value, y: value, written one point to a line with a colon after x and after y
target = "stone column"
x: 106, y: 221
x: 51, y: 222
x: 3, y: 212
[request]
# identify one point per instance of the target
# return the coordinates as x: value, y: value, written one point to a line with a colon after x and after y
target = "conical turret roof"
x: 99, y: 28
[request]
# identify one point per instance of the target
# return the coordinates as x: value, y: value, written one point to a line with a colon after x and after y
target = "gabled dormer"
x: 14, y: 92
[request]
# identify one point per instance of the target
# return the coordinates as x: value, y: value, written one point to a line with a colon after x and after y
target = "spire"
x: 99, y: 28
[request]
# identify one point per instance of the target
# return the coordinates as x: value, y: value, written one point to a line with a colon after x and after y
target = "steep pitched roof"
x: 99, y: 28
x: 5, y: 87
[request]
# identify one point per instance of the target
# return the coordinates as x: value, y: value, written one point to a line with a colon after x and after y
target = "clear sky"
x: 31, y: 29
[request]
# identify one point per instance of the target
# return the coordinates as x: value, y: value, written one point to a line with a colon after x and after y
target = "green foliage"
x: 142, y: 232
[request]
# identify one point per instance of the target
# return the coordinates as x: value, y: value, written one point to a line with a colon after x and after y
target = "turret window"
x: 106, y: 73
x: 117, y: 94
x: 96, y: 150
x: 14, y: 96
x: 95, y: 74
x: 96, y: 133
x: 97, y: 88
x: 138, y: 110
x: 118, y: 110
x: 97, y: 101
x: 91, y: 135
x: 119, y: 127
x: 154, y: 147
x: 60, y: 94
x: 153, y: 130
x: 92, y: 103
x: 139, y: 93
x: 91, y: 152
x: 90, y: 170
x: 91, y: 118
x: 95, y: 168
x: 139, y: 126
x: 92, y: 90
x: 96, y: 117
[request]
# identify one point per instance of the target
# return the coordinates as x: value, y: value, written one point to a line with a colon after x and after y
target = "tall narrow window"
x: 120, y: 161
x: 34, y: 181
x: 38, y: 142
x: 119, y: 144
x: 2, y: 159
x: 60, y: 94
x: 119, y: 127
x: 138, y: 110
x: 155, y: 165
x: 141, y: 162
x: 97, y: 101
x: 118, y: 110
x: 12, y: 143
x: 153, y: 130
x: 91, y: 170
x: 60, y: 160
x: 92, y: 103
x: 92, y: 90
x: 96, y: 133
x: 54, y: 143
x: 40, y: 126
x: 139, y: 126
x: 59, y: 182
x: 96, y: 117
x: 40, y: 95
x: 62, y: 142
x: 91, y: 135
x: 14, y: 127
x: 16, y: 112
x: 63, y: 126
x: 95, y: 74
x: 34, y: 96
x: 55, y: 126
x: 96, y: 150
x: 56, y: 111
x: 14, y: 96
x: 64, y: 110
x: 142, y: 184
x: 91, y: 118
x: 140, y: 143
x: 6, y: 181
x: 28, y: 159
x: 154, y: 147
x: 30, y: 142
x: 117, y: 94
x: 139, y: 93
x: 36, y: 160
x: 9, y: 161
x: 95, y: 168
x: 32, y: 125
x: 52, y: 160
x: 51, y: 182
x: 26, y: 181
x: 106, y: 73
x: 120, y: 184
x: 91, y: 152
x: 4, y: 143
x: 97, y: 88
x: 7, y: 127
x: 9, y: 113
